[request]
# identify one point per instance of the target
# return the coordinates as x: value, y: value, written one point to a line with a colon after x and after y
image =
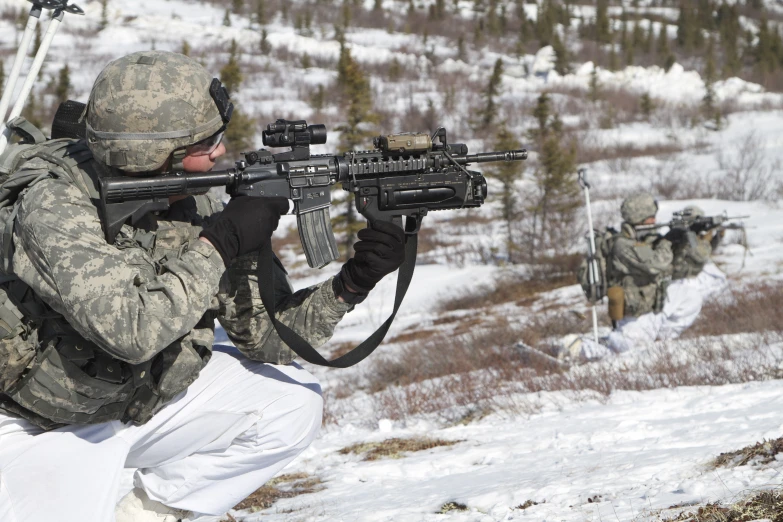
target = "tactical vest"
x: 641, y: 294
x: 49, y: 374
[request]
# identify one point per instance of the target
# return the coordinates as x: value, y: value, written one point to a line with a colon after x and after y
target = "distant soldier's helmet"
x: 147, y: 105
x: 693, y: 211
x: 637, y: 208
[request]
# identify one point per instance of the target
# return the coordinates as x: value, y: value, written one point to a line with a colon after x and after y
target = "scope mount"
x: 296, y: 134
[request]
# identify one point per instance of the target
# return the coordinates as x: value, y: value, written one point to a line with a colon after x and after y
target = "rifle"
x: 686, y: 224
x: 407, y: 174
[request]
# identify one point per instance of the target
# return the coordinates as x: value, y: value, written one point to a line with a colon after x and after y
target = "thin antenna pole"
x: 21, y: 53
x: 592, y: 262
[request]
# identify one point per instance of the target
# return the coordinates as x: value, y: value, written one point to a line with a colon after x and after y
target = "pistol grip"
x: 315, y: 233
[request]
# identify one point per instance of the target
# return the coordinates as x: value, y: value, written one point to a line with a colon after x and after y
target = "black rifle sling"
x: 301, y: 347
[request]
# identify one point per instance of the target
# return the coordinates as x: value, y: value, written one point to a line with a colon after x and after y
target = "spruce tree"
x: 708, y: 107
x: 263, y: 45
x: 508, y: 173
x: 603, y: 32
x: 185, y: 48
x: 260, y: 13
x: 594, y: 85
x: 104, y: 15
x: 318, y: 98
x: 227, y: 19
x: 358, y: 111
x: 63, y: 87
x: 237, y: 6
x: 561, y: 55
x: 231, y: 74
x: 646, y: 105
x: 557, y: 191
x: 488, y: 113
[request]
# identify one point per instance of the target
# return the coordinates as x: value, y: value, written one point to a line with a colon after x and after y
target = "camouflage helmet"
x: 146, y: 105
x: 693, y: 211
x: 638, y: 207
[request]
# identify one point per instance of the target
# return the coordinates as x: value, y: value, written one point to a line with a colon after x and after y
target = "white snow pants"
x: 232, y: 430
x: 682, y: 307
x: 711, y: 281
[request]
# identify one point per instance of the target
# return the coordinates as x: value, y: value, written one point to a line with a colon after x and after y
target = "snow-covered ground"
x: 621, y: 458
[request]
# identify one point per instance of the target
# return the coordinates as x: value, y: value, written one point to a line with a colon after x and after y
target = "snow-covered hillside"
x: 565, y: 454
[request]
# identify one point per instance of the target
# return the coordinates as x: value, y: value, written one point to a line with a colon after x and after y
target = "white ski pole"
x: 591, y: 266
x: 21, y: 53
x: 60, y: 7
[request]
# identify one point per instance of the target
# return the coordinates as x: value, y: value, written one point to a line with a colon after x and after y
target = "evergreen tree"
x: 227, y: 19
x: 31, y: 112
x: 508, y: 173
x: 231, y: 73
x: 264, y: 46
x: 237, y: 6
x: 594, y: 86
x: 708, y: 107
x: 104, y: 15
x: 318, y: 99
x: 306, y: 64
x: 765, y: 53
x: 260, y: 12
x: 603, y: 32
x: 561, y: 55
x: 646, y: 105
x: 730, y: 31
x: 688, y: 32
x: 63, y: 87
x: 489, y: 111
x: 239, y: 133
x: 557, y: 191
x: 2, y: 74
x: 638, y: 37
x: 613, y: 62
x: 358, y: 111
x: 185, y: 48
x: 649, y: 39
x: 545, y: 23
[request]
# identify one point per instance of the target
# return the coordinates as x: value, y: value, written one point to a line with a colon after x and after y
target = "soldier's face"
x: 649, y: 221
x: 204, y: 162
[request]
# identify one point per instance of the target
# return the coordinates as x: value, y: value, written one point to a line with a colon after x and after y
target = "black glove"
x: 379, y: 252
x: 677, y: 235
x: 244, y: 225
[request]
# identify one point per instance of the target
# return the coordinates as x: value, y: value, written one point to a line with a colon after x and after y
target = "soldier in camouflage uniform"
x: 121, y: 372
x: 641, y: 265
x: 692, y: 258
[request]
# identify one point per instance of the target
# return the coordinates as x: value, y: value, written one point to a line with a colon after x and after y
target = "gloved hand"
x: 379, y: 252
x: 244, y: 225
x: 677, y: 235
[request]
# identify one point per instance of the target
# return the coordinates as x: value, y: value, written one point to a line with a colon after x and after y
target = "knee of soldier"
x: 307, y: 406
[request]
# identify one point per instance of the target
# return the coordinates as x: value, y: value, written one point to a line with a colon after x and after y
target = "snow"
x: 580, y: 456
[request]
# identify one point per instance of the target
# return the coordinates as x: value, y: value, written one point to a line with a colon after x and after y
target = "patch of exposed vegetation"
x: 762, y: 452
x: 448, y: 507
x: 765, y: 505
x: 754, y: 308
x: 394, y: 448
x: 285, y: 486
x: 528, y: 503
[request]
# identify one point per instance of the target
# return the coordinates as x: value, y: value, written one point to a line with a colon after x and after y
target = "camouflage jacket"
x: 690, y: 258
x: 641, y: 266
x: 151, y: 298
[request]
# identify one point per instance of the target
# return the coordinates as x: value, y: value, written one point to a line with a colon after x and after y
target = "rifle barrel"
x: 505, y: 155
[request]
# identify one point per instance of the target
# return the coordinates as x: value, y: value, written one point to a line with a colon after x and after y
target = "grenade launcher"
x: 405, y: 175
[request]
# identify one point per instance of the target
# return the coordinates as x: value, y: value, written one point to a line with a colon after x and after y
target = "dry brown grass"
x: 547, y: 275
x: 757, y: 307
x: 765, y: 505
x: 285, y: 486
x: 394, y: 448
x: 762, y: 452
